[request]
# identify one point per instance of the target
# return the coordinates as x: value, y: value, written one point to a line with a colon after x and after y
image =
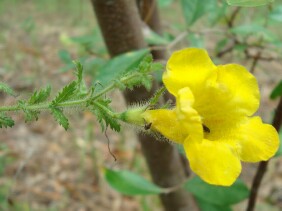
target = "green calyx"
x: 134, y: 116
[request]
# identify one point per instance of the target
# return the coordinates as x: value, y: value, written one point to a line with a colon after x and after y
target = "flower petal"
x: 166, y: 122
x: 187, y: 115
x: 257, y: 141
x: 188, y: 67
x: 243, y: 86
x: 215, y: 162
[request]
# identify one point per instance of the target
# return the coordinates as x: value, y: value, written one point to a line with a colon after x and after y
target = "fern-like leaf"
x: 5, y: 88
x: 6, y: 121
x: 60, y: 117
x: 79, y: 71
x: 66, y: 93
x: 40, y: 96
x: 104, y: 118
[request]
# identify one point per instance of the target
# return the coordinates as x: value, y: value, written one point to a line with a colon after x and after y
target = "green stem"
x: 123, y: 80
x: 106, y: 110
x: 73, y: 103
x: 43, y: 106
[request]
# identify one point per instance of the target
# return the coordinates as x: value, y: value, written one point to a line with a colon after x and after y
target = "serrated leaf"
x: 103, y: 117
x: 66, y: 93
x: 30, y: 115
x: 6, y: 121
x: 249, y: 3
x: 156, y: 67
x: 60, y: 117
x: 129, y: 183
x: 81, y: 87
x: 119, y: 65
x: 5, y: 88
x: 79, y: 71
x: 277, y: 91
x: 146, y: 81
x: 39, y: 96
x: 217, y: 195
x: 146, y: 63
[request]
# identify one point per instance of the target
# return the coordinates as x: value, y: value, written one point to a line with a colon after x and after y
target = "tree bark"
x: 149, y: 13
x: 121, y: 29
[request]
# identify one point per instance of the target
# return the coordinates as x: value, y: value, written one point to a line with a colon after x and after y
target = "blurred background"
x: 43, y: 167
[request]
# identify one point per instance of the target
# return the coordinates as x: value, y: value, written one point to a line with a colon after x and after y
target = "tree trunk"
x: 121, y: 29
x: 149, y: 13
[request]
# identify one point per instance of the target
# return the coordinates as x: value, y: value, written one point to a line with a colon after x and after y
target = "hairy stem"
x: 72, y: 103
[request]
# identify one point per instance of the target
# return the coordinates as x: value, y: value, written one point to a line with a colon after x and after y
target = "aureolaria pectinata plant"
x: 212, y: 117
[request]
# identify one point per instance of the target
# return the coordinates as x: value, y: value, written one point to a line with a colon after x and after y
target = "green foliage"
x: 76, y: 94
x: 30, y: 114
x: 276, y: 14
x: 217, y: 12
x: 5, y: 159
x: 155, y: 99
x: 249, y: 3
x: 205, y: 206
x: 277, y: 91
x: 104, y: 114
x: 6, y: 121
x: 78, y: 72
x: 129, y: 183
x: 164, y: 3
x: 81, y: 87
x: 221, y: 44
x: 119, y: 65
x: 217, y: 195
x: 152, y: 38
x: 256, y: 30
x: 195, y: 40
x: 40, y: 96
x: 65, y: 56
x: 90, y: 49
x: 60, y: 117
x: 195, y: 9
x: 66, y: 93
x: 5, y: 88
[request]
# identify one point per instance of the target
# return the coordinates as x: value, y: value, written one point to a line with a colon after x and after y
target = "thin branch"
x: 179, y: 38
x: 228, y: 49
x: 230, y: 21
x: 277, y: 121
x: 255, y: 61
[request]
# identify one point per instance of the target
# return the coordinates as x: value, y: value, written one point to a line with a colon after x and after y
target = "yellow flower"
x: 212, y: 117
